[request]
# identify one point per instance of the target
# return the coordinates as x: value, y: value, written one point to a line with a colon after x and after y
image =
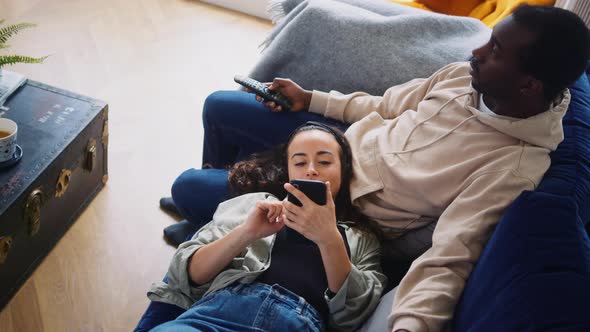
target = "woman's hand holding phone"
x: 316, y: 222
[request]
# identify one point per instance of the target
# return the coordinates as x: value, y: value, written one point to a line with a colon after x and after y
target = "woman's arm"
x: 318, y: 224
x: 360, y: 294
x: 211, y: 259
x: 356, y: 282
x: 336, y: 262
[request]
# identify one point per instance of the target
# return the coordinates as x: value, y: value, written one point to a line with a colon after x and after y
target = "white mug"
x: 7, y: 142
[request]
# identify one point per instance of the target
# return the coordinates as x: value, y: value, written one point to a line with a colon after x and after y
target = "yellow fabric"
x: 490, y: 12
x: 451, y: 7
x: 411, y: 3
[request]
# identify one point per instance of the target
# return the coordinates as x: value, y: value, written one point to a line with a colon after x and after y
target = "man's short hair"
x: 560, y: 52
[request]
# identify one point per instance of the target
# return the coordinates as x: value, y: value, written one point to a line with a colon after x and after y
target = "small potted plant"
x: 9, y: 59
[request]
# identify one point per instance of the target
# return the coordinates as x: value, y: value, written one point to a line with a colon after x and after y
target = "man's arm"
x: 396, y: 100
x: 427, y: 295
x: 355, y: 106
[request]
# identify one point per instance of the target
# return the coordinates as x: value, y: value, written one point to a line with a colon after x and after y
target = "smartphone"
x: 313, y: 189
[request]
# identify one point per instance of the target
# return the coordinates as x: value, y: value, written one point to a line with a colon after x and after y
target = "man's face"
x: 496, y: 66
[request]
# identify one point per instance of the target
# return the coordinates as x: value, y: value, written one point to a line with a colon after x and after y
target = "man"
x: 435, y: 159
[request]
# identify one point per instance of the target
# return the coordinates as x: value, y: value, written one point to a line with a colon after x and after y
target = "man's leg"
x: 236, y: 125
x: 197, y: 192
x: 156, y: 314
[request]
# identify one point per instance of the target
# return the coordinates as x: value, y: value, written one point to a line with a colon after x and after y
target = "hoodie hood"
x: 544, y: 129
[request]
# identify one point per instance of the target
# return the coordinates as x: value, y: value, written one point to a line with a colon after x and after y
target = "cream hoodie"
x: 423, y: 151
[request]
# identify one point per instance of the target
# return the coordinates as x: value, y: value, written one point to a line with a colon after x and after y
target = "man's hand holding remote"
x: 297, y: 96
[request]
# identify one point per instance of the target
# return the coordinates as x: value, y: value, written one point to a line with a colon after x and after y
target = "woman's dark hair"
x: 560, y: 52
x: 268, y: 171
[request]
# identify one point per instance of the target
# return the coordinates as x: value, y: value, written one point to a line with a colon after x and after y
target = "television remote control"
x: 263, y: 91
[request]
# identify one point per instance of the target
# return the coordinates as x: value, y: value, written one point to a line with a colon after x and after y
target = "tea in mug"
x: 4, y: 133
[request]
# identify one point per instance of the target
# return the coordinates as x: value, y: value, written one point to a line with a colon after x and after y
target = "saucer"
x: 16, y: 157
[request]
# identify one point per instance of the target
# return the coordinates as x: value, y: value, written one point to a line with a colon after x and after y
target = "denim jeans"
x: 236, y: 125
x: 197, y: 192
x: 157, y: 313
x: 248, y: 307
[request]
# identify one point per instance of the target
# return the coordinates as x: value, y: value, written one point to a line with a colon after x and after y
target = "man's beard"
x: 475, y: 69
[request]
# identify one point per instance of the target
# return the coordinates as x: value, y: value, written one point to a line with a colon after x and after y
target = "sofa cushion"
x: 569, y: 173
x: 534, y: 274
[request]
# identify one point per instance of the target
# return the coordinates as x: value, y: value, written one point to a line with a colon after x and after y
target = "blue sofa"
x: 534, y: 274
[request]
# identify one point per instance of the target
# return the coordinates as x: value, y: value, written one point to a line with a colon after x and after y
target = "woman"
x: 262, y: 263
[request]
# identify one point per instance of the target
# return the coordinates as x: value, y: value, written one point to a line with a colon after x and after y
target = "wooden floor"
x: 154, y: 62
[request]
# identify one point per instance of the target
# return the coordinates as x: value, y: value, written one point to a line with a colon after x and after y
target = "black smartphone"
x: 313, y: 189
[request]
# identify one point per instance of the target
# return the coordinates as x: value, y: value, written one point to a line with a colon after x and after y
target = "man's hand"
x: 297, y: 96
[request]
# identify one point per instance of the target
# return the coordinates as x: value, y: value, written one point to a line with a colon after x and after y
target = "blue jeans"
x: 197, y: 192
x: 236, y: 125
x: 157, y: 313
x: 248, y: 307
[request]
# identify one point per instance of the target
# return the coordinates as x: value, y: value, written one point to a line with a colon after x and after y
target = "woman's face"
x: 315, y: 155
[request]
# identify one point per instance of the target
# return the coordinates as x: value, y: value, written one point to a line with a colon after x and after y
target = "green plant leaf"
x: 14, y: 59
x: 7, y: 32
x: 10, y: 30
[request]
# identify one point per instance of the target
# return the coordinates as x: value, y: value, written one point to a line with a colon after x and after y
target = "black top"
x: 296, y: 264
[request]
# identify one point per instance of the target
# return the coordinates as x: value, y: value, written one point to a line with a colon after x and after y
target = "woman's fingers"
x: 291, y: 224
x: 292, y: 211
x: 297, y: 193
x: 272, y: 209
x: 276, y: 212
x: 272, y: 212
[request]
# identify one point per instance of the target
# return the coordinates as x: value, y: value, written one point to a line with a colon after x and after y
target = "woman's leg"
x: 236, y: 125
x: 248, y: 307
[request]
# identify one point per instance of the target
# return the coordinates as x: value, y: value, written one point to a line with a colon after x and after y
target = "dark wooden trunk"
x: 64, y: 137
